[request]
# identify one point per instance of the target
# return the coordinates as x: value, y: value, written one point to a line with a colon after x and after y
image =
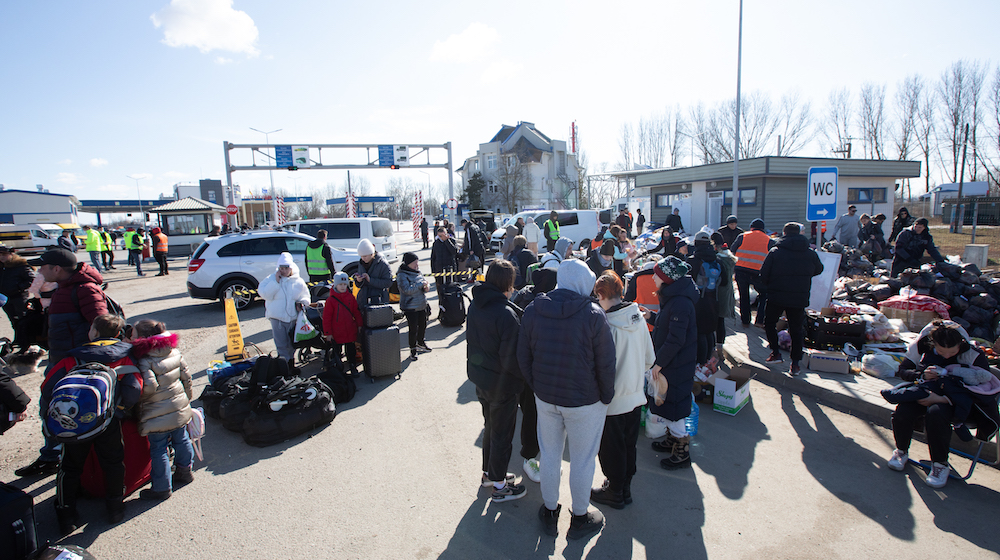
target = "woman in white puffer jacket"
x: 284, y: 294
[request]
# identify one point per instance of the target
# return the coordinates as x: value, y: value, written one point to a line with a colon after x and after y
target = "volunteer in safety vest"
x: 642, y: 290
x: 319, y: 259
x: 750, y: 249
x: 160, y: 250
x: 134, y: 242
x: 95, y: 246
x: 550, y: 230
x: 108, y: 253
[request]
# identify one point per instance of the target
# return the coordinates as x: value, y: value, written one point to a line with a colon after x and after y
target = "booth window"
x: 187, y: 224
x: 748, y: 197
x: 855, y: 196
x: 665, y: 200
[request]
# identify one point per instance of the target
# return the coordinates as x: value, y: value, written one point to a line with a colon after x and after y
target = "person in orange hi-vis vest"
x: 750, y: 249
x: 160, y: 250
x: 642, y: 290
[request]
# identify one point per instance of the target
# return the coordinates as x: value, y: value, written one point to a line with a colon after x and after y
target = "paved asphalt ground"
x: 396, y: 476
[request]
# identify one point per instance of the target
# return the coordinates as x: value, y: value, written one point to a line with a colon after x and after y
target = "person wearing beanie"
x: 604, y: 259
x: 786, y: 276
x: 730, y: 231
x: 567, y: 357
x: 373, y: 276
x: 342, y: 322
x: 750, y: 248
x: 911, y: 245
x: 413, y: 288
x: 667, y: 244
x: 285, y: 294
x: 709, y: 276
x: 675, y: 341
x: 160, y: 250
x: 550, y: 231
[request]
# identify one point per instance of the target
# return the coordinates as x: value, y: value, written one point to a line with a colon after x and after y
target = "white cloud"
x: 66, y: 162
x: 67, y: 177
x: 207, y: 25
x: 98, y: 162
x: 223, y: 60
x: 474, y: 42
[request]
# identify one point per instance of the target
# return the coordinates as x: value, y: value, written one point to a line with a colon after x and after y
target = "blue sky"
x: 98, y: 90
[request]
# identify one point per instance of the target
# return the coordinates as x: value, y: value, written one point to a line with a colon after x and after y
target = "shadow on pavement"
x: 950, y: 506
x: 851, y: 473
x: 728, y: 444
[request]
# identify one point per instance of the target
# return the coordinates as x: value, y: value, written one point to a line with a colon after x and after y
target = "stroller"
x: 305, y: 350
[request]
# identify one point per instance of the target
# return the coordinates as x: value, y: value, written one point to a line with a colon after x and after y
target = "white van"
x: 30, y: 238
x: 574, y: 224
x: 346, y: 233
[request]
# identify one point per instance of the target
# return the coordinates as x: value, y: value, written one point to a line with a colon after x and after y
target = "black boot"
x: 68, y: 519
x: 582, y: 525
x: 607, y: 496
x: 665, y: 445
x: 550, y: 519
x: 39, y: 467
x: 182, y: 476
x: 156, y: 495
x: 116, y: 509
x: 627, y: 491
x: 680, y: 457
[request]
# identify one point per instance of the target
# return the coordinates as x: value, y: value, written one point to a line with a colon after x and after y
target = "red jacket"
x: 341, y: 317
x: 69, y: 320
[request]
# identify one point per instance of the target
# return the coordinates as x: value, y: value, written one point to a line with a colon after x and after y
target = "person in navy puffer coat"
x: 567, y: 357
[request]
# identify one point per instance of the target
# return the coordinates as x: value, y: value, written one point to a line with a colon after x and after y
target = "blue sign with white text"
x: 822, y: 194
x: 386, y: 157
x: 283, y: 156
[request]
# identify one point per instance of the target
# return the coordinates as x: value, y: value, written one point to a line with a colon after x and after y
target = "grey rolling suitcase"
x: 377, y: 316
x: 380, y: 348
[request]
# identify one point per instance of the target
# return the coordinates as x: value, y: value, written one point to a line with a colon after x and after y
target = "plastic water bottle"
x: 691, y: 422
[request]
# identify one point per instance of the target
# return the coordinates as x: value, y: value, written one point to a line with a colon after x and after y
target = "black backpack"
x: 452, y: 306
x: 265, y: 370
x: 708, y: 278
x: 340, y: 383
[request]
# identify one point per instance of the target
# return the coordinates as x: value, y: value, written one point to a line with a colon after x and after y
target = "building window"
x: 491, y: 161
x: 667, y: 200
x: 748, y: 197
x: 865, y: 195
x: 491, y: 187
x: 476, y: 166
x: 510, y: 161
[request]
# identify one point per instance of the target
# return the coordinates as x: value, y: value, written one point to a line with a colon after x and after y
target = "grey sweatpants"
x: 584, y: 425
x: 282, y: 333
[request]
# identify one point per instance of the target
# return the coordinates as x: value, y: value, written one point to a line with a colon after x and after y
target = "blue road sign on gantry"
x: 386, y: 157
x: 822, y: 200
x: 283, y: 156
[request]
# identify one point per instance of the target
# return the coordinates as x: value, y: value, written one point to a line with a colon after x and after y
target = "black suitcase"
x: 380, y: 348
x: 452, y: 304
x: 17, y: 523
x: 377, y: 316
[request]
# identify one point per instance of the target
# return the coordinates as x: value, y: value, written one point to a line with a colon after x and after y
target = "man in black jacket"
x: 786, y: 276
x: 473, y: 244
x: 423, y: 232
x: 522, y: 258
x: 491, y: 348
x: 443, y: 258
x: 730, y: 231
x: 15, y: 279
x: 910, y: 247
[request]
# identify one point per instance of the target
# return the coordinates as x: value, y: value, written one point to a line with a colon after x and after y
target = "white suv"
x: 243, y: 260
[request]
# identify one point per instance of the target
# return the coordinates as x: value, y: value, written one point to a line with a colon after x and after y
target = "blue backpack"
x: 82, y: 404
x: 710, y: 273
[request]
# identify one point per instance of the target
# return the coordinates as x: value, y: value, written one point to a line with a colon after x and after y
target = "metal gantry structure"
x: 301, y: 157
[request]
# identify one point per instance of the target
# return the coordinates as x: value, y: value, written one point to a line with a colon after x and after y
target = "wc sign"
x: 822, y: 199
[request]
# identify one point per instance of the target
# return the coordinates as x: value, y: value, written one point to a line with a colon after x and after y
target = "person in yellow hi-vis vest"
x: 319, y: 259
x: 134, y: 242
x: 95, y: 246
x: 108, y: 251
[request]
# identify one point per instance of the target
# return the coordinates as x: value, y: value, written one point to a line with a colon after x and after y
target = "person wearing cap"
x: 675, y: 341
x: 911, y: 245
x: 75, y: 304
x: 135, y: 242
x: 550, y: 230
x: 847, y: 227
x: 342, y: 322
x: 674, y: 221
x: 160, y: 250
x: 730, y: 231
x: 413, y: 288
x: 285, y: 294
x: 604, y: 259
x: 319, y: 259
x: 522, y: 259
x: 373, y: 276
x: 95, y: 246
x: 750, y: 249
x: 567, y: 356
x: 787, y: 276
x: 16, y: 278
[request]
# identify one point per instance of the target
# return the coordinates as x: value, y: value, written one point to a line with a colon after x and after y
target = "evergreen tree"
x: 473, y: 193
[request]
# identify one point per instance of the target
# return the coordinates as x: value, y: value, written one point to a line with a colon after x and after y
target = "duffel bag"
x: 234, y: 409
x: 294, y: 409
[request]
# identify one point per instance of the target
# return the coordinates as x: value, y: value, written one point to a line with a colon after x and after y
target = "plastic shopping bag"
x: 879, y: 365
x: 304, y: 329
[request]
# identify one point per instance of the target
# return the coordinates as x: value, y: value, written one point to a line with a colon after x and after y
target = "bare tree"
x: 512, y: 180
x: 991, y: 161
x: 678, y: 132
x: 925, y: 130
x: 698, y: 131
x: 626, y: 143
x: 758, y: 124
x: 837, y: 127
x: 907, y: 108
x: 403, y: 189
x: 959, y: 90
x: 977, y: 78
x: 796, y: 123
x: 871, y: 114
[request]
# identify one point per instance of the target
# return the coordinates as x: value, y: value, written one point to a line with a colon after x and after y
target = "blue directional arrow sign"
x: 822, y: 200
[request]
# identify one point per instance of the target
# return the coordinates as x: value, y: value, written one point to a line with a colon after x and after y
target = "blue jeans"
x: 95, y: 259
x: 183, y: 455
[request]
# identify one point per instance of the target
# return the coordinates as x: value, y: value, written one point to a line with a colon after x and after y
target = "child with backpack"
x: 165, y: 408
x: 342, y: 322
x: 104, y: 368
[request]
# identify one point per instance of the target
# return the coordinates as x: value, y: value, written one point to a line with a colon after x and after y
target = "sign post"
x: 821, y: 202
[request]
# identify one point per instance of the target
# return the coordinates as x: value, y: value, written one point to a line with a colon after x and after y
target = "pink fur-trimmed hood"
x: 142, y: 347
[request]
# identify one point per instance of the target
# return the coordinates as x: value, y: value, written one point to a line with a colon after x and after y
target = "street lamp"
x: 141, y: 215
x: 270, y: 172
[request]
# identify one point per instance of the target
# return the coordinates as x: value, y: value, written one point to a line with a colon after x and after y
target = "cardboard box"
x: 830, y: 362
x: 915, y: 320
x: 732, y: 392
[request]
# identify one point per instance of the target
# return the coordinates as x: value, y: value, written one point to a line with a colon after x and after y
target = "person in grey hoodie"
x: 567, y: 356
x: 847, y: 227
x: 413, y: 302
x: 562, y: 251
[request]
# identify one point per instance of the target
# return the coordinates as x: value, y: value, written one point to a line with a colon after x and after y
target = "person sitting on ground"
x: 165, y: 408
x: 413, y: 302
x: 492, y: 338
x: 910, y: 247
x: 285, y: 294
x: 342, y: 322
x: 634, y: 355
x: 106, y: 347
x: 939, y: 345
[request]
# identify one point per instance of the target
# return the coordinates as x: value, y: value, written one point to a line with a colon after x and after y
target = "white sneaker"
x: 938, y: 476
x: 487, y: 483
x: 532, y: 469
x: 898, y: 460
